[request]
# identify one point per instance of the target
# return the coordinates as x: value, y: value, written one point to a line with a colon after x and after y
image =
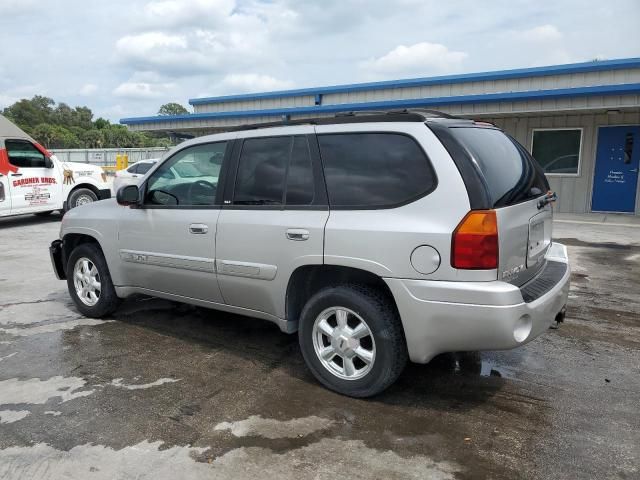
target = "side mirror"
x: 48, y: 163
x: 128, y: 195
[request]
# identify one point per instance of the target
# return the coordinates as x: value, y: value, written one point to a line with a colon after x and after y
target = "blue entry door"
x: 615, y: 181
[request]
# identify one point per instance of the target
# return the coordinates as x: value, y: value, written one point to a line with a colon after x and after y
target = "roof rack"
x: 404, y: 115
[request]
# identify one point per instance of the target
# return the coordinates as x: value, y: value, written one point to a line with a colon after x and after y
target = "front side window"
x: 374, y: 170
x: 24, y: 154
x: 557, y: 151
x: 188, y: 178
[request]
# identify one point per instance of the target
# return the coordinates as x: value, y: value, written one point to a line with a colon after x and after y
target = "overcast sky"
x: 127, y: 57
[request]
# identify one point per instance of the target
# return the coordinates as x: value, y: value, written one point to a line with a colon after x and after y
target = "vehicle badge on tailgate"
x: 512, y: 272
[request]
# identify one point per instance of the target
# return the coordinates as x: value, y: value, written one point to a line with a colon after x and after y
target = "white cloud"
x: 173, y: 13
x: 542, y: 33
x: 88, y: 89
x: 252, y: 82
x: 143, y: 90
x: 420, y: 58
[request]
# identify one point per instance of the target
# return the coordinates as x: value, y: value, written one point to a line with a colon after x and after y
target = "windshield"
x: 510, y: 172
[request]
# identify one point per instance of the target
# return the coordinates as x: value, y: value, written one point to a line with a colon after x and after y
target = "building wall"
x: 574, y: 192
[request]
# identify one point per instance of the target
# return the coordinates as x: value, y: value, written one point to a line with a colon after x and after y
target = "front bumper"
x: 443, y: 317
x: 57, y: 259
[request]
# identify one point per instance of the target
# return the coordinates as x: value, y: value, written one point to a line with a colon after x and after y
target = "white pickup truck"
x: 32, y: 180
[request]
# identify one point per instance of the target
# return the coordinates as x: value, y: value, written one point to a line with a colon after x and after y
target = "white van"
x: 32, y: 180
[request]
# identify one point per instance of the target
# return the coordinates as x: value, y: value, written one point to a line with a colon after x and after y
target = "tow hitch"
x: 559, y: 318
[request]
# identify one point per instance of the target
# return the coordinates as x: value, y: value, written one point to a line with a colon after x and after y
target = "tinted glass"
x: 557, y: 151
x: 24, y: 155
x: 261, y: 171
x: 144, y: 167
x: 374, y: 169
x: 190, y: 177
x: 300, y: 174
x: 511, y: 174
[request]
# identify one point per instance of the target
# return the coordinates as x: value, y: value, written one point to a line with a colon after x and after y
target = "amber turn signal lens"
x: 475, y: 241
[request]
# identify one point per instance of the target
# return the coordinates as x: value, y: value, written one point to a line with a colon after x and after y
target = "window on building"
x: 557, y: 151
x: 374, y: 169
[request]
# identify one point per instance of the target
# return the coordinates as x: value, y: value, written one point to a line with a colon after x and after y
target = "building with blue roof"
x: 581, y: 121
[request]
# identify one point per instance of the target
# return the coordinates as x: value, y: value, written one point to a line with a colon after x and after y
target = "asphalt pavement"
x: 166, y: 391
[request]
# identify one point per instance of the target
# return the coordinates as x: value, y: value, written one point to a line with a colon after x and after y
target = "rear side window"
x: 374, y: 170
x: 274, y: 169
x: 144, y: 167
x: 511, y: 174
x: 261, y: 171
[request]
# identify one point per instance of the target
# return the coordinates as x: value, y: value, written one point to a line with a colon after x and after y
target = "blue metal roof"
x: 446, y: 79
x: 621, y: 89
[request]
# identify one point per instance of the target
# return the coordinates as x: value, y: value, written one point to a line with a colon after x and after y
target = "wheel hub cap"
x: 344, y: 343
x: 86, y: 280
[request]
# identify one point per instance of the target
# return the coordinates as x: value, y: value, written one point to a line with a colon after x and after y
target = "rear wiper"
x: 547, y: 199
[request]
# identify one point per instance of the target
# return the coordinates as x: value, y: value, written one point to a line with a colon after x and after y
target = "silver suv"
x: 377, y: 237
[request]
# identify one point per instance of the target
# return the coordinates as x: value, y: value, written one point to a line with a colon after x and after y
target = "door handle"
x: 16, y: 174
x: 297, y: 234
x: 198, y: 228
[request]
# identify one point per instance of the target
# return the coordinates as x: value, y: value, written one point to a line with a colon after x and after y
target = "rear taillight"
x: 475, y: 241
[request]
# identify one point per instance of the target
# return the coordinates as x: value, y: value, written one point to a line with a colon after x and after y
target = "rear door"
x: 515, y: 183
x: 273, y: 218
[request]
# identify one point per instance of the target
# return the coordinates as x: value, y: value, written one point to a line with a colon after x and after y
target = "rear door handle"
x: 297, y: 234
x: 198, y: 228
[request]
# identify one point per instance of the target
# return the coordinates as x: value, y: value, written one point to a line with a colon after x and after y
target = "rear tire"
x: 81, y: 196
x: 370, y: 352
x: 89, y: 282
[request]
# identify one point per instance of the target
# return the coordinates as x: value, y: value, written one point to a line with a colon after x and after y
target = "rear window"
x: 511, y: 174
x: 374, y: 170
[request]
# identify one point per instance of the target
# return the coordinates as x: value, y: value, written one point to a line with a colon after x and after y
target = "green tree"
x: 29, y: 113
x: 172, y: 109
x: 93, y: 138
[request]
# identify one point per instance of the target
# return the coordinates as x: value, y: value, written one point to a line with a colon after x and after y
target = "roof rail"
x: 404, y: 115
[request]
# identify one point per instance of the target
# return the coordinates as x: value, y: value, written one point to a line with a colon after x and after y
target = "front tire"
x: 81, y: 196
x: 352, y: 340
x: 89, y: 282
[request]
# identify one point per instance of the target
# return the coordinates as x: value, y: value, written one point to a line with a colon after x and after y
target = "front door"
x: 615, y: 181
x: 168, y: 244
x: 272, y: 221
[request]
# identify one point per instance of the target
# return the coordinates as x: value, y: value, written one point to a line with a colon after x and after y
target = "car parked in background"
x: 377, y: 237
x: 133, y: 173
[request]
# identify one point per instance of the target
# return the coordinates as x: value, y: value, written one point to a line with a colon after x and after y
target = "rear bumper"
x: 57, y: 261
x: 443, y: 317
